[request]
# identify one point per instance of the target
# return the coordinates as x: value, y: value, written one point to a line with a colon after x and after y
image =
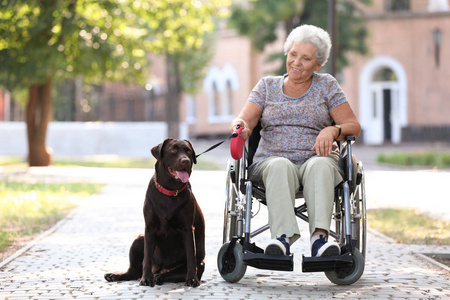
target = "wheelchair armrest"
x: 348, y: 161
x: 350, y: 138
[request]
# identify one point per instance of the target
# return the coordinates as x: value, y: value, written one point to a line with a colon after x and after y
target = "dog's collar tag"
x: 167, y: 192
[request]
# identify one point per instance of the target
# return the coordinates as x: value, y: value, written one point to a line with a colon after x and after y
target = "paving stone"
x: 95, y: 239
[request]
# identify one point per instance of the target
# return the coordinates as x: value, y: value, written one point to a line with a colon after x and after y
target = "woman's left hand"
x: 324, y: 141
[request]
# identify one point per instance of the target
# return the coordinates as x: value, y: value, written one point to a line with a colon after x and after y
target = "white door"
x: 384, y: 118
x: 373, y: 134
x: 395, y: 115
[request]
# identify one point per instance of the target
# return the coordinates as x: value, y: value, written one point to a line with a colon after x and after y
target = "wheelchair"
x: 349, y: 225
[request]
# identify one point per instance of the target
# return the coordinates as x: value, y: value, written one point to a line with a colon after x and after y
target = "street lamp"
x: 437, y: 36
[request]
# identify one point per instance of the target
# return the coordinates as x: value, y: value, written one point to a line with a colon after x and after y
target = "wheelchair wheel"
x: 235, y: 269
x: 350, y: 275
x: 229, y: 218
x: 359, y: 224
x: 361, y: 198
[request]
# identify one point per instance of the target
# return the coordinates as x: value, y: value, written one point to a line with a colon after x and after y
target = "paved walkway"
x: 69, y: 260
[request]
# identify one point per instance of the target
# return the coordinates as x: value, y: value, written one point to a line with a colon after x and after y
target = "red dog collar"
x: 168, y: 192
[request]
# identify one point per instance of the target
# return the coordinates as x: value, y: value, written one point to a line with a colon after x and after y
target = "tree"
x: 46, y: 40
x: 260, y: 20
x: 182, y: 41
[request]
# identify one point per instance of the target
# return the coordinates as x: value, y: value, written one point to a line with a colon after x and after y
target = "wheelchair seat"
x: 356, y: 173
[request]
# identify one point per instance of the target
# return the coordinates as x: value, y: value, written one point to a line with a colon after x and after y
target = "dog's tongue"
x: 184, y: 176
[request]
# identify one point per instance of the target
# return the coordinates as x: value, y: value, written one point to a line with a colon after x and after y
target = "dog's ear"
x: 194, y: 157
x: 157, y: 151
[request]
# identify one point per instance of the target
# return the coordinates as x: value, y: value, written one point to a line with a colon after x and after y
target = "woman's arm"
x: 342, y: 115
x: 247, y: 118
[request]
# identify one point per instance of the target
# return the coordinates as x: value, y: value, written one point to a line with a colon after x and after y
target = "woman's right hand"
x: 247, y: 118
x: 246, y: 132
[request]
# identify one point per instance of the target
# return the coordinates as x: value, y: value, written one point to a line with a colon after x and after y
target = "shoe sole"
x: 275, y: 249
x: 332, y: 250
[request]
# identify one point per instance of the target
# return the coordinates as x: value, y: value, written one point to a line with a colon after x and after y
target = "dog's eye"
x: 173, y: 151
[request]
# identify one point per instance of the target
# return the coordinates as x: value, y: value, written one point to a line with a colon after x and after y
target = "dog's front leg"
x: 189, y: 244
x: 149, y: 248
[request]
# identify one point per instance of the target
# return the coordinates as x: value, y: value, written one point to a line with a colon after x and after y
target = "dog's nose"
x: 185, y: 161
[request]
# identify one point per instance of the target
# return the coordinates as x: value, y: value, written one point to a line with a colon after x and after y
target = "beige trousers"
x: 282, y: 180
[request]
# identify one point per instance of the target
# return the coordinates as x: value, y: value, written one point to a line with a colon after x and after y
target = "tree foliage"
x: 101, y: 40
x: 260, y: 19
x: 66, y: 38
x: 351, y: 31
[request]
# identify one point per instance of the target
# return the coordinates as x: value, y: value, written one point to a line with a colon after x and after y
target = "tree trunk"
x: 173, y: 97
x: 38, y: 115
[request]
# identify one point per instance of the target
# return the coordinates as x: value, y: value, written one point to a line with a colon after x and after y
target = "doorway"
x: 387, y: 125
x: 383, y: 101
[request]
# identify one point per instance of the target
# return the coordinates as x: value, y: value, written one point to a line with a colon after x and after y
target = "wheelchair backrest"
x: 253, y: 142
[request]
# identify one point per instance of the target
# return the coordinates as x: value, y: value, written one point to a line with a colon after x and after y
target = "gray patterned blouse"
x: 290, y: 125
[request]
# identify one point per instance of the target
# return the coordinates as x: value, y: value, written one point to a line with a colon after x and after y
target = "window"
x: 397, y: 5
x: 229, y: 98
x: 220, y: 85
x: 384, y: 74
x: 216, y: 100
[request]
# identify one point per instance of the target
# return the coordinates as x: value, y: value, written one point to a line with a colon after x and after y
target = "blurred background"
x: 118, y: 76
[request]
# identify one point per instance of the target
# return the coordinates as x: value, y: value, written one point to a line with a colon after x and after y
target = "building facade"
x: 402, y: 86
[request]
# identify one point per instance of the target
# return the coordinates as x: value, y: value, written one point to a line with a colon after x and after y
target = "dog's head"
x: 175, y: 157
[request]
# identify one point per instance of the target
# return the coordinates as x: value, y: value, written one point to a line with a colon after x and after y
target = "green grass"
x: 26, y: 209
x: 10, y: 161
x: 113, y: 163
x: 439, y: 160
x: 409, y: 227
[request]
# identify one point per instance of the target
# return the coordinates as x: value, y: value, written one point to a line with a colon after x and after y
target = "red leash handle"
x: 237, y: 143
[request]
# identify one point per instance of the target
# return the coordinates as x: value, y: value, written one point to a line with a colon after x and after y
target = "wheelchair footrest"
x: 326, y: 263
x: 269, y: 262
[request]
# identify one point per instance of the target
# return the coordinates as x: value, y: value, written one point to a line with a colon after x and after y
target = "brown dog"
x: 173, y: 247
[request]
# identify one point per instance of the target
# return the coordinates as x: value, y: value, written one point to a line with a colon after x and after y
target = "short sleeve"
x: 258, y: 94
x: 336, y: 96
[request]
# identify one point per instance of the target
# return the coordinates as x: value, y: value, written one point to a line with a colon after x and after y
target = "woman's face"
x: 301, y: 61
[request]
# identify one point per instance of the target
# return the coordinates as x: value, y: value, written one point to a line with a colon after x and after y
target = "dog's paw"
x: 111, y: 277
x: 192, y: 282
x: 147, y: 282
x: 159, y: 279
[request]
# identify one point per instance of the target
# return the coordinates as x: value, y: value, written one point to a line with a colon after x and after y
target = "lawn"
x: 440, y: 160
x: 29, y: 208
x: 15, y: 162
x: 409, y: 226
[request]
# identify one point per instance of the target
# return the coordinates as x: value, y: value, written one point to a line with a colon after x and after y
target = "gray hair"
x: 313, y: 35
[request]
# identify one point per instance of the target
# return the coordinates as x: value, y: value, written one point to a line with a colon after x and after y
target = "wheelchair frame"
x: 350, y: 232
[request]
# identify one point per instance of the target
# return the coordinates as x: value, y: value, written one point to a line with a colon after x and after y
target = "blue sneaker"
x: 323, y: 248
x: 278, y: 247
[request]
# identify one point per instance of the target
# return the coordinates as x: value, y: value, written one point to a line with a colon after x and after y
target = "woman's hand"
x: 324, y: 141
x: 247, y: 118
x: 246, y: 132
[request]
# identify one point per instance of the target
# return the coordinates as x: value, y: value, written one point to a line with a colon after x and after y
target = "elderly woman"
x: 302, y: 113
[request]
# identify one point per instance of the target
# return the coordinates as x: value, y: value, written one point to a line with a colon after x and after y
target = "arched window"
x: 384, y: 74
x: 229, y: 98
x: 220, y: 85
x: 216, y: 100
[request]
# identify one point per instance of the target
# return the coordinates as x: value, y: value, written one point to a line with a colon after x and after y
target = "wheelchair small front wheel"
x: 231, y: 268
x: 350, y: 275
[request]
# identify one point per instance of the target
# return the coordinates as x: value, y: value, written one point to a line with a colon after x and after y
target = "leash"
x: 233, y: 135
